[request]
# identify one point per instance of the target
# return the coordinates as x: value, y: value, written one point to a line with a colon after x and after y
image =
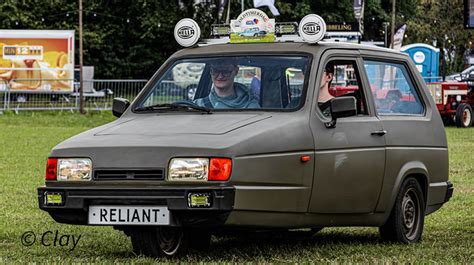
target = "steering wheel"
x: 185, y: 102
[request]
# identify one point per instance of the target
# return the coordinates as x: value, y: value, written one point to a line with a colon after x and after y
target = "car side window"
x: 393, y: 91
x: 295, y: 81
x: 341, y: 78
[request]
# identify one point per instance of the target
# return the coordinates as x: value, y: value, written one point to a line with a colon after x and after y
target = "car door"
x: 413, y: 147
x: 350, y: 158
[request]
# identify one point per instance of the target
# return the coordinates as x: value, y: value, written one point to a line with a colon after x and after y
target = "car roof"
x: 209, y: 48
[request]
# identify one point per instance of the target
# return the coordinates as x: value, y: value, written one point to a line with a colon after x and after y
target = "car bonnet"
x: 169, y: 124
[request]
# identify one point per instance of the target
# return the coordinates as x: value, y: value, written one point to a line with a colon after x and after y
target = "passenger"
x: 225, y: 93
x: 324, y: 98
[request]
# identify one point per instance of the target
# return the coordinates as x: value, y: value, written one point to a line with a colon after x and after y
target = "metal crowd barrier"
x: 3, y: 95
x: 433, y: 79
x: 98, y: 95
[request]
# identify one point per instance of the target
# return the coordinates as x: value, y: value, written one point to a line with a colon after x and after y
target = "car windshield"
x: 230, y: 83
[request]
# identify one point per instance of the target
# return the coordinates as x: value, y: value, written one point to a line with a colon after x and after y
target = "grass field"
x: 26, y: 139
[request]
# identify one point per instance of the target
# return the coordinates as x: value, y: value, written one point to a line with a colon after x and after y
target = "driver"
x: 324, y: 98
x: 225, y: 93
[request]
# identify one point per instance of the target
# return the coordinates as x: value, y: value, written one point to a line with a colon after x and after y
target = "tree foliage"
x: 132, y: 38
x: 440, y: 23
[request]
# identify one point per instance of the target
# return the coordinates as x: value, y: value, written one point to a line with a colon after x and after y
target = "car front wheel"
x: 159, y: 241
x: 405, y: 223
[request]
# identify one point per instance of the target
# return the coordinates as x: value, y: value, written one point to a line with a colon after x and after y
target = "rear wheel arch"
x: 414, y: 169
x: 406, y: 220
x: 423, y: 181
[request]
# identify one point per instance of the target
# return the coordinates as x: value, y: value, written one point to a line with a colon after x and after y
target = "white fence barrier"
x: 98, y: 95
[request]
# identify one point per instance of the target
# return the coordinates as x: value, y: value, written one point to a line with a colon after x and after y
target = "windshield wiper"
x: 175, y: 106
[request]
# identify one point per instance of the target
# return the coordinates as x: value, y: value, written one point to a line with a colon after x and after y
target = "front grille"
x: 129, y: 174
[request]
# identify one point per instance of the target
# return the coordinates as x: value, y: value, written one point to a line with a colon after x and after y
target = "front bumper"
x: 76, y: 202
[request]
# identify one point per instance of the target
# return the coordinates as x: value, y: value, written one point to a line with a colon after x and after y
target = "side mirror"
x: 341, y: 107
x: 119, y: 106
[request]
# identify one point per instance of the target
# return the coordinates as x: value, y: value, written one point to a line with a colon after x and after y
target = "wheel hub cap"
x: 466, y: 117
x: 409, y: 212
x: 169, y: 239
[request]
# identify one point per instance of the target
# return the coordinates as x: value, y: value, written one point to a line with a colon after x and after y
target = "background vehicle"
x: 461, y: 76
x: 455, y: 100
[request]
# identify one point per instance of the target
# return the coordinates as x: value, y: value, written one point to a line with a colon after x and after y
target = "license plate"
x: 129, y: 215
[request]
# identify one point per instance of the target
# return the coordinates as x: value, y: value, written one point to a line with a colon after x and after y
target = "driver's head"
x: 327, y: 76
x: 223, y: 73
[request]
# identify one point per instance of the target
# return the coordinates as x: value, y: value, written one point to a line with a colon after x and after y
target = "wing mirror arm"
x: 119, y: 106
x: 331, y: 124
x: 341, y: 107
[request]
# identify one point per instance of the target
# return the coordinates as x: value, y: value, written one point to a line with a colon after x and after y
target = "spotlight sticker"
x: 187, y: 32
x: 312, y: 28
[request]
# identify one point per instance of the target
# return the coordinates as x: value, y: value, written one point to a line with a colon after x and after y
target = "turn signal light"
x: 220, y: 169
x: 51, y: 169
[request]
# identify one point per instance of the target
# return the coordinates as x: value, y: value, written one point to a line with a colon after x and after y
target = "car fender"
x: 409, y: 168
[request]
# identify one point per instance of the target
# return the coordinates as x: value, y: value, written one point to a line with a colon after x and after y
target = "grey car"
x: 171, y: 172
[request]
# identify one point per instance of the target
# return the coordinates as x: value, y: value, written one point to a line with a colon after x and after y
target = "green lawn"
x: 26, y: 139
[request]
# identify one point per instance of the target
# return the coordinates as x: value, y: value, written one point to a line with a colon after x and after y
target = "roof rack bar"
x: 281, y: 28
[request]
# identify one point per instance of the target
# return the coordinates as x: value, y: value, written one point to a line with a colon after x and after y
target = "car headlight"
x: 200, y: 169
x: 74, y: 169
x: 458, y: 98
x: 188, y: 169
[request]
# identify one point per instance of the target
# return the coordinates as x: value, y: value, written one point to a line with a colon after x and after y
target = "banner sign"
x: 220, y: 9
x: 358, y: 9
x: 37, y: 60
x: 252, y: 25
x: 342, y: 27
x: 398, y: 38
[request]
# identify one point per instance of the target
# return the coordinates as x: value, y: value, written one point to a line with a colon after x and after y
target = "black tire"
x: 139, y: 244
x: 161, y: 241
x: 199, y: 239
x: 406, y: 220
x: 308, y: 233
x: 463, y: 115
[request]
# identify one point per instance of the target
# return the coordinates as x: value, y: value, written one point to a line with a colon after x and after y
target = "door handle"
x: 379, y: 133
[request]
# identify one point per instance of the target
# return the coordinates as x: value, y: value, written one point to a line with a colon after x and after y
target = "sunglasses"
x: 222, y: 72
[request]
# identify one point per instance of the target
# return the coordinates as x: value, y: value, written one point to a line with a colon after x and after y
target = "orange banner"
x: 39, y: 61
